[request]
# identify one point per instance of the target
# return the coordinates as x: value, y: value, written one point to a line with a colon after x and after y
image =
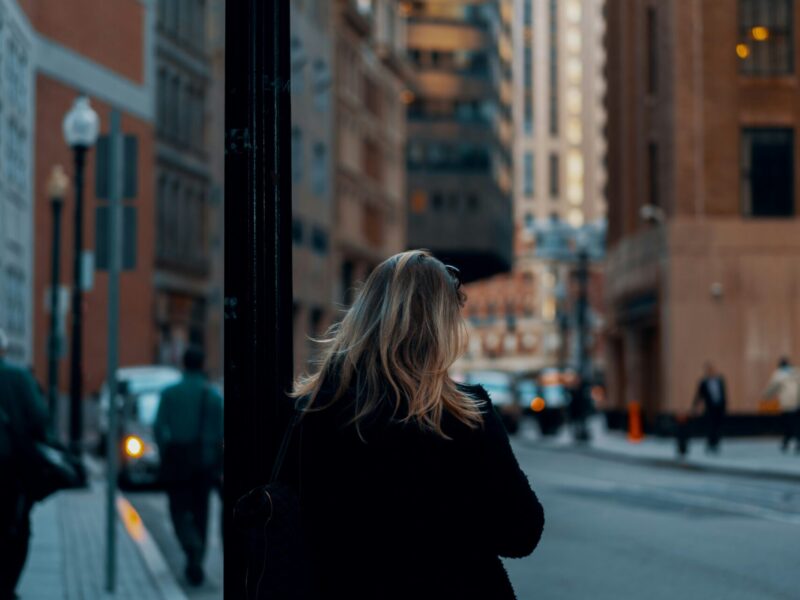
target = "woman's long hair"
x: 396, y: 344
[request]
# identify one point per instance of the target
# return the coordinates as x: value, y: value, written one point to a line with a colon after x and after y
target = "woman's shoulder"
x: 477, y: 392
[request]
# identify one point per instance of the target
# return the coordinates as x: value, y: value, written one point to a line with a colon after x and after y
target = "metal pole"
x: 584, y: 360
x: 76, y: 346
x: 258, y: 267
x: 52, y: 345
x: 114, y: 244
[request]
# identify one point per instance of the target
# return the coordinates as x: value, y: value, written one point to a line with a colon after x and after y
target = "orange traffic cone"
x: 635, y: 433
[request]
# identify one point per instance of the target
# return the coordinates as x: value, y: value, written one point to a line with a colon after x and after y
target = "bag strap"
x: 287, y: 437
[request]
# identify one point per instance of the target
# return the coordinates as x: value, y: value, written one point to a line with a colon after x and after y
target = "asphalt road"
x: 617, y: 531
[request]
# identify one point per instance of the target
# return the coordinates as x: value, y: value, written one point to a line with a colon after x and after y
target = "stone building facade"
x: 704, y: 264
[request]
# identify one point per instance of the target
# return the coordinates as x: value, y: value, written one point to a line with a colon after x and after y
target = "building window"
x: 527, y: 8
x: 319, y: 241
x: 766, y: 44
x: 767, y: 180
x: 319, y: 170
x: 652, y: 174
x: 555, y: 176
x: 553, y: 68
x: 297, y: 154
x: 528, y: 174
x: 652, y: 51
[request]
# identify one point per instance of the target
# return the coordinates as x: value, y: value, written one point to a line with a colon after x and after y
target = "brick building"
x: 703, y: 106
x: 105, y: 51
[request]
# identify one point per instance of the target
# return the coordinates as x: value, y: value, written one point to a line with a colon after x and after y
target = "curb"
x: 670, y: 463
x: 151, y: 555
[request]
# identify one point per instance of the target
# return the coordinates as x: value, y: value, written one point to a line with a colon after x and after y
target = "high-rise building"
x: 559, y: 147
x: 183, y: 179
x: 526, y: 320
x: 704, y: 259
x: 460, y: 133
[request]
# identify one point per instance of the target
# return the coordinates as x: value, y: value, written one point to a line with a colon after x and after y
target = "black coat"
x: 407, y: 514
x: 703, y: 396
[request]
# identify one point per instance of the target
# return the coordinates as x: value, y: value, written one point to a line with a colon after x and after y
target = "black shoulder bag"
x: 42, y: 467
x: 278, y: 562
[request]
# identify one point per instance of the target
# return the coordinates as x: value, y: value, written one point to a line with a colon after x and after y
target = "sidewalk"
x: 67, y: 556
x: 758, y: 457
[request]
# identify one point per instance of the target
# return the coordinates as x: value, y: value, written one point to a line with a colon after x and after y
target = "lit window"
x: 765, y: 46
x: 575, y: 217
x: 574, y: 101
x: 574, y: 130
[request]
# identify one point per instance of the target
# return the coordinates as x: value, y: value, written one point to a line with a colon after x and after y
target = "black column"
x: 76, y: 347
x: 258, y: 295
x: 52, y: 344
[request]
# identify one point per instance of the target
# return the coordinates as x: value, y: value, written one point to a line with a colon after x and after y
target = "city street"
x: 614, y: 530
x: 619, y: 530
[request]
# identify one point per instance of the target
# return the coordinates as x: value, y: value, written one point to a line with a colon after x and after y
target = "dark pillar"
x: 258, y: 296
x: 52, y: 343
x: 584, y: 356
x: 76, y: 347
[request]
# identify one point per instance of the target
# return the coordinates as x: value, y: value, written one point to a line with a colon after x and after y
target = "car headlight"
x: 538, y: 404
x: 134, y: 446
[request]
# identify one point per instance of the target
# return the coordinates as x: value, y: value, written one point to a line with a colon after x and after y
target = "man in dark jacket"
x: 22, y: 417
x: 188, y: 431
x: 712, y: 395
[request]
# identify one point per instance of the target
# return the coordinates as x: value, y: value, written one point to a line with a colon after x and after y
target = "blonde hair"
x: 396, y: 343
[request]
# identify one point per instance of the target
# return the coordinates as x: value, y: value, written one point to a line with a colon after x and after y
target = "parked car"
x: 137, y: 405
x: 500, y: 386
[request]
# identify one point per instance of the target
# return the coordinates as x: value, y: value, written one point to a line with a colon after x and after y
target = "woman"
x: 408, y: 484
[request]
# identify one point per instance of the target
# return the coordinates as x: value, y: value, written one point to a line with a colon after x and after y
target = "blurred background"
x: 615, y: 180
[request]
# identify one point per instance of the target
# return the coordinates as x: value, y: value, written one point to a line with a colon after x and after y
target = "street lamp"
x: 57, y: 186
x: 81, y: 126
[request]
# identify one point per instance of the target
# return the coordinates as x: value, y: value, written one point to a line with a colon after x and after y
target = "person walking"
x: 408, y: 485
x: 188, y: 430
x: 22, y: 417
x: 711, y: 393
x: 785, y: 385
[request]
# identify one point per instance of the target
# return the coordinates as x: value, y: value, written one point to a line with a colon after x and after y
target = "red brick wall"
x: 137, y: 334
x: 109, y: 32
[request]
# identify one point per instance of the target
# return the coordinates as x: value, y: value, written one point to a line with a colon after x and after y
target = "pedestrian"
x: 785, y: 385
x: 22, y: 417
x: 712, y: 395
x: 188, y: 431
x: 407, y: 482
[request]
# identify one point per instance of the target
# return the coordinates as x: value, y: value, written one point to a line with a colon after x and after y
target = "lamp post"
x: 81, y: 126
x: 57, y: 186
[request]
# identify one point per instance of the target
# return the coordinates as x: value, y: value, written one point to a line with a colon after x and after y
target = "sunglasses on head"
x: 455, y: 274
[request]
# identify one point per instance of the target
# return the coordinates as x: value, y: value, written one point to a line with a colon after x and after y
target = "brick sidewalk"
x: 741, y: 456
x: 67, y: 555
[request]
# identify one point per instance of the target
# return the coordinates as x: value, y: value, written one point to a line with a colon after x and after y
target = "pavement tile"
x: 68, y: 554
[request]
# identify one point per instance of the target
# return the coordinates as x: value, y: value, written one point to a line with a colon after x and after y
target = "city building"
x: 214, y: 336
x: 51, y: 53
x: 313, y: 201
x: 17, y: 133
x: 460, y: 135
x: 349, y: 80
x: 704, y: 239
x: 183, y: 178
x: 558, y: 190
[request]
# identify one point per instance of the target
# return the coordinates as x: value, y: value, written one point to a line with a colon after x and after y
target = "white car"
x: 139, y: 458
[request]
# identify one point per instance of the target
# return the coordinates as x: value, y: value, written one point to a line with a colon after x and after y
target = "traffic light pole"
x: 258, y: 268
